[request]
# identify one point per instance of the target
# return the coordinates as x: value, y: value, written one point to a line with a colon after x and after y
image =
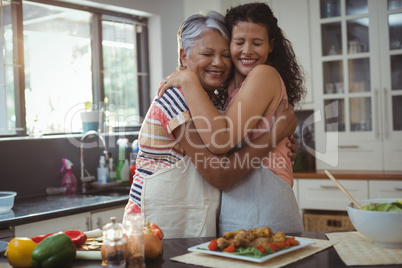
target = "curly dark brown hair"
x: 282, y: 58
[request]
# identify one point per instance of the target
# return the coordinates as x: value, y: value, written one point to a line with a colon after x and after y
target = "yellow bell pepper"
x: 19, y: 251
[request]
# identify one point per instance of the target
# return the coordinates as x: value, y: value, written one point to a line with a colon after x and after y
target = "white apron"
x: 181, y: 202
x: 260, y: 199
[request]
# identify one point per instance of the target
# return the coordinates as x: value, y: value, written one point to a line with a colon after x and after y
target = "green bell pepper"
x: 54, y: 251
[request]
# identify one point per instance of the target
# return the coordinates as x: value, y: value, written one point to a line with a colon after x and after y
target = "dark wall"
x: 29, y: 166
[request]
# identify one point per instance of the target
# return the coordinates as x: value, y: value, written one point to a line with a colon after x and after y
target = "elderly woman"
x: 265, y: 73
x: 177, y: 182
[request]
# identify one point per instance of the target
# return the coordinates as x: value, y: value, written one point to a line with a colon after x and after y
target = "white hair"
x: 194, y: 26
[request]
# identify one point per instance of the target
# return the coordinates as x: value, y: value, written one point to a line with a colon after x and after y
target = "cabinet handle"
x: 377, y: 120
x: 328, y: 187
x: 88, y: 223
x: 398, y: 189
x: 99, y: 223
x: 386, y: 113
x: 348, y: 146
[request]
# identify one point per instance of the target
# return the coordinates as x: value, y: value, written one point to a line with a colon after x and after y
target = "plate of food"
x: 3, y: 247
x: 255, y: 245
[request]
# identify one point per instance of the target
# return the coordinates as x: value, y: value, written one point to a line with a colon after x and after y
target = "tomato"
x: 280, y: 245
x: 261, y: 249
x: 230, y: 249
x: 213, y: 245
x: 294, y: 242
x: 272, y: 246
x: 157, y: 231
x: 287, y: 243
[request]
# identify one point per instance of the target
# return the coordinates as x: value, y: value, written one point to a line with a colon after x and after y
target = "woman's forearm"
x: 260, y: 94
x: 213, y: 127
x: 222, y: 170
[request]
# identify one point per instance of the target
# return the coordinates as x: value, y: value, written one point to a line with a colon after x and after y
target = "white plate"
x: 303, y: 243
x: 3, y: 247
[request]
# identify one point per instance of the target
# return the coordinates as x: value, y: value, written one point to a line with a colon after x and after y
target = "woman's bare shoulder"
x: 264, y: 73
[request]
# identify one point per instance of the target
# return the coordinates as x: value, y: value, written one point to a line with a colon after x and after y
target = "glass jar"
x: 134, y: 226
x: 114, y: 244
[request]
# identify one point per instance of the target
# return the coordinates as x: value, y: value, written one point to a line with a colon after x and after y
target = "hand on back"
x: 176, y: 80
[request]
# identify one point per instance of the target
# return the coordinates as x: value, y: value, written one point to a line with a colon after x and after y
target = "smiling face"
x: 249, y: 47
x: 209, y: 58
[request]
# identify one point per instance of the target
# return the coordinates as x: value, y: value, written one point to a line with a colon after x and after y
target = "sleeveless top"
x: 277, y: 160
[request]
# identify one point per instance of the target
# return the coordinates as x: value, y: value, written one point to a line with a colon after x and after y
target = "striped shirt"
x: 158, y: 148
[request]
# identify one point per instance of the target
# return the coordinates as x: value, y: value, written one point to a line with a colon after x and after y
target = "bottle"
x: 133, y: 159
x: 112, y: 169
x: 114, y: 244
x: 125, y: 171
x: 122, y: 143
x: 69, y: 181
x: 134, y: 225
x: 103, y: 177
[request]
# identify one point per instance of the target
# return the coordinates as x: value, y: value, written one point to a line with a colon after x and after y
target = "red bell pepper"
x: 39, y: 238
x: 79, y: 238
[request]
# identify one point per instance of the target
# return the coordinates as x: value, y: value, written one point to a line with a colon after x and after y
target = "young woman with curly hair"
x: 265, y: 72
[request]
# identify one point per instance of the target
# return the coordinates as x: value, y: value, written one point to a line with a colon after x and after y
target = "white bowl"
x: 384, y: 228
x: 6, y: 200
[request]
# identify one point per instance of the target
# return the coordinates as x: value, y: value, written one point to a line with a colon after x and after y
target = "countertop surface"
x: 33, y: 209
x: 351, y: 175
x: 328, y: 258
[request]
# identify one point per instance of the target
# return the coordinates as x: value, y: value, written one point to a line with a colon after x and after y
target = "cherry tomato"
x: 272, y: 246
x: 261, y: 249
x: 230, y: 249
x: 213, y: 245
x: 280, y: 245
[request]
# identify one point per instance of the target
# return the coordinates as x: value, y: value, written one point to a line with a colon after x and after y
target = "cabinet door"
x: 356, y: 81
x: 385, y: 189
x: 325, y: 195
x: 101, y: 217
x: 73, y: 222
x: 391, y: 65
x: 343, y: 82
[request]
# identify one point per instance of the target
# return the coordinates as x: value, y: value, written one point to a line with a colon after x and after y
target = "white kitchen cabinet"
x: 385, y: 189
x: 72, y: 222
x: 323, y: 194
x: 101, y: 217
x: 82, y: 221
x: 357, y: 66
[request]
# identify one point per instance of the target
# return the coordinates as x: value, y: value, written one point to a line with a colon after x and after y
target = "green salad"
x: 393, y: 207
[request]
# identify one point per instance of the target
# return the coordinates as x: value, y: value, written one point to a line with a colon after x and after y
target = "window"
x: 70, y: 56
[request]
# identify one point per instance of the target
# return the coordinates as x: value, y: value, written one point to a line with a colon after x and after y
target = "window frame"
x: 97, y: 59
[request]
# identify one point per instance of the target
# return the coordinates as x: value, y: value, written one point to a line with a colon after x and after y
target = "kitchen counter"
x: 175, y: 247
x: 351, y: 175
x: 34, y: 209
